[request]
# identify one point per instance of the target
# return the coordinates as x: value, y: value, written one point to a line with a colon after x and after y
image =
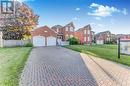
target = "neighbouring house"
x: 44, y: 36
x: 68, y: 31
x: 99, y: 40
x: 123, y: 36
x: 124, y: 43
x: 93, y: 36
x: 59, y: 30
x: 85, y: 35
x: 64, y: 32
x: 104, y: 36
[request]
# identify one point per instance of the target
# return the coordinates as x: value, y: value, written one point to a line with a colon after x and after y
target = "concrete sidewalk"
x: 107, y: 73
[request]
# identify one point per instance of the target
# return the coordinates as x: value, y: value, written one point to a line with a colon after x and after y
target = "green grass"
x: 108, y: 52
x: 12, y: 61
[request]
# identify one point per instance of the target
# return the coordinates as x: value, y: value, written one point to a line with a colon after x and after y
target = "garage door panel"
x: 38, y: 41
x: 51, y: 41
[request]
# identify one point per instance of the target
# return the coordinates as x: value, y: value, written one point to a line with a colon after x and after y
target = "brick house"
x: 93, y: 36
x: 64, y: 32
x: 124, y: 36
x: 84, y: 34
x: 44, y: 36
x: 104, y: 36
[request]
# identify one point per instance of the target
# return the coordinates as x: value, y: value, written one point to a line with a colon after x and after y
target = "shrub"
x: 73, y: 41
x: 28, y: 45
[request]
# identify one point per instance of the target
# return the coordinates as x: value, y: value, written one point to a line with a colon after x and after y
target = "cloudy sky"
x: 112, y: 15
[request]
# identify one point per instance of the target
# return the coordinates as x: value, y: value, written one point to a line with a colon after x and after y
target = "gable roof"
x: 57, y: 26
x: 104, y: 32
x: 99, y: 34
x: 85, y: 27
x: 70, y: 24
x: 42, y: 27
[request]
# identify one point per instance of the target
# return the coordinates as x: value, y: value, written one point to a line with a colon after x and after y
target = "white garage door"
x: 51, y: 41
x: 38, y: 41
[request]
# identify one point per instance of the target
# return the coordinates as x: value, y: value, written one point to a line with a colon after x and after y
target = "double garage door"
x: 42, y: 41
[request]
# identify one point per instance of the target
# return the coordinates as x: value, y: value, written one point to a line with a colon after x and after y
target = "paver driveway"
x: 56, y: 66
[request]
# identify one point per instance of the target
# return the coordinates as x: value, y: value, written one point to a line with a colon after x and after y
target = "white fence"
x: 64, y: 43
x: 14, y: 43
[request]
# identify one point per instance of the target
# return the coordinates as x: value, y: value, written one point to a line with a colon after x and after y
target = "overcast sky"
x: 112, y: 15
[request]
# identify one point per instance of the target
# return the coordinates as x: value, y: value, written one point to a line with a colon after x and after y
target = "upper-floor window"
x: 71, y: 29
x: 88, y: 38
x: 88, y: 31
x: 85, y: 31
x: 66, y: 28
x: 85, y: 39
x: 57, y: 30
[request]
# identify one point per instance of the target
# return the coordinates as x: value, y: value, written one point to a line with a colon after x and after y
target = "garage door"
x: 38, y: 41
x: 51, y: 41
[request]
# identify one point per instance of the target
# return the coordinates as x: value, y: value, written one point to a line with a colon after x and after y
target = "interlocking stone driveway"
x: 56, y: 66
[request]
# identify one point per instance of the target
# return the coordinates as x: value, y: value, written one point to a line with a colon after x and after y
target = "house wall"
x: 65, y: 32
x: 84, y: 35
x: 79, y: 36
x: 106, y: 36
x: 43, y: 31
x: 68, y: 32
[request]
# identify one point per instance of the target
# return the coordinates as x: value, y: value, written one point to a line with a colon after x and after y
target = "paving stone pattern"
x: 56, y: 66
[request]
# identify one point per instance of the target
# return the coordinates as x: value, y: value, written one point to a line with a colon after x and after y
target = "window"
x: 71, y: 29
x: 88, y: 31
x: 85, y: 39
x: 66, y: 28
x: 7, y: 7
x: 57, y: 30
x: 85, y: 31
x: 89, y: 39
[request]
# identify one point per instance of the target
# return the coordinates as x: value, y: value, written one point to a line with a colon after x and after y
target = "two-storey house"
x: 84, y: 35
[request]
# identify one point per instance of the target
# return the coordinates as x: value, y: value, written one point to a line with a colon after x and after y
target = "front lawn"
x: 103, y: 51
x: 12, y: 61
